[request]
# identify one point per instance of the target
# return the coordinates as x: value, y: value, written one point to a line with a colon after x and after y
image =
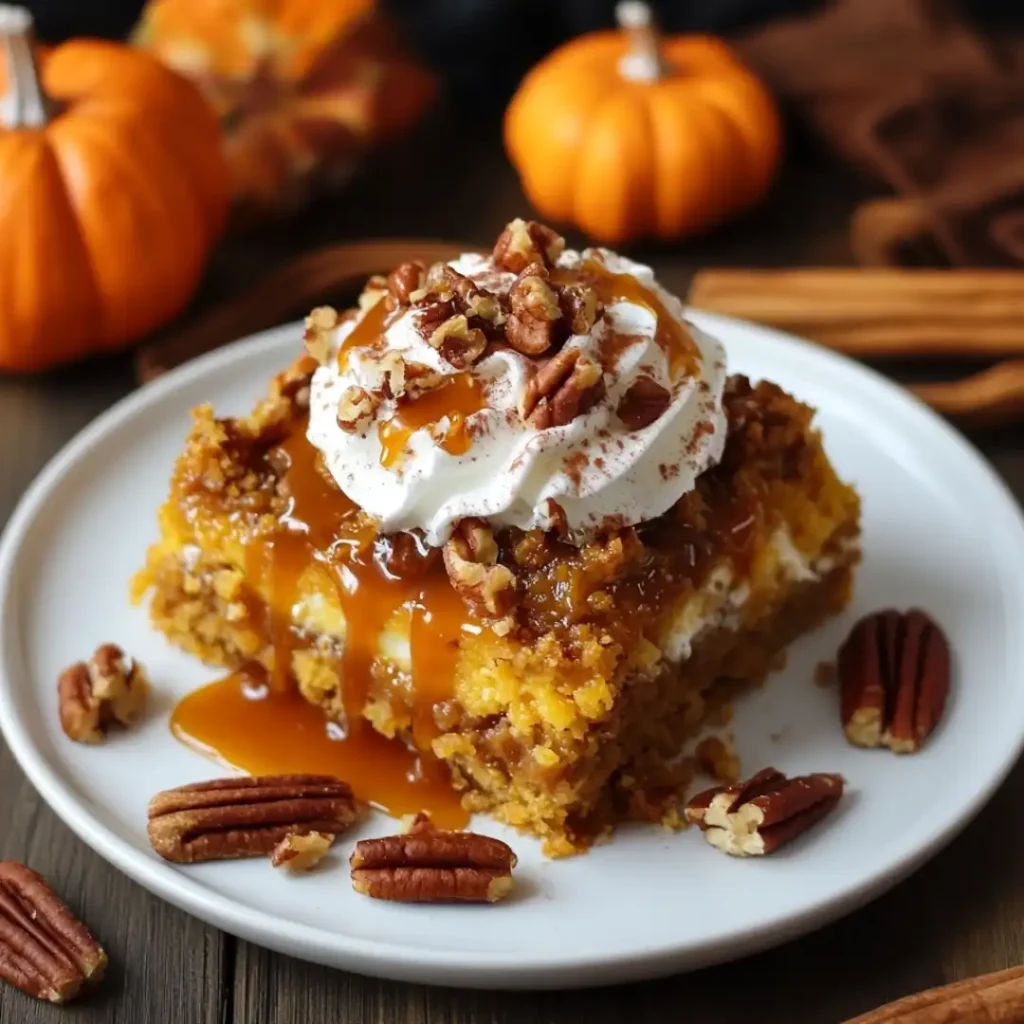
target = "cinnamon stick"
x: 878, y: 313
x: 996, y: 998
x: 990, y: 398
x: 286, y: 292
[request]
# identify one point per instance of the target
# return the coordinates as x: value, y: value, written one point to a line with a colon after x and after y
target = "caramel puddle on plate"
x: 245, y: 723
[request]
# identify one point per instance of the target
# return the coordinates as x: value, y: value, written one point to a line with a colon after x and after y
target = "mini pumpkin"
x: 113, y: 189
x: 303, y: 87
x: 628, y: 135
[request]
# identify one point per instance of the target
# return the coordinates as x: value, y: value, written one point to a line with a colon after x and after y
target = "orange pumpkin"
x: 630, y: 136
x: 303, y: 87
x: 112, y: 191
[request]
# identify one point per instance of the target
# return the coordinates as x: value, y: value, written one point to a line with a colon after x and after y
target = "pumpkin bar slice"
x: 512, y: 518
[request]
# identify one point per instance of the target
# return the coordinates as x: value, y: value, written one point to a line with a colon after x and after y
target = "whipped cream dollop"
x: 591, y: 473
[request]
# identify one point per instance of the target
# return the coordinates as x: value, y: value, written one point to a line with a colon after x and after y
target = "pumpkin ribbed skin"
x: 625, y: 159
x: 109, y: 211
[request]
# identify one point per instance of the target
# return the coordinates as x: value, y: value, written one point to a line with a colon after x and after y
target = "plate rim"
x: 487, y: 969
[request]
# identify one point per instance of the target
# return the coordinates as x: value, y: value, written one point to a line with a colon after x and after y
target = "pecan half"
x: 894, y: 674
x: 430, y: 865
x: 245, y: 817
x: 535, y: 321
x: 301, y: 851
x: 644, y: 401
x: 525, y: 242
x: 44, y: 949
x: 457, y: 342
x: 317, y: 338
x: 111, y: 688
x: 471, y: 560
x: 356, y: 408
x: 756, y: 817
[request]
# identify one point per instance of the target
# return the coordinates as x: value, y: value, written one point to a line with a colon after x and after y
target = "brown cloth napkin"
x: 913, y: 95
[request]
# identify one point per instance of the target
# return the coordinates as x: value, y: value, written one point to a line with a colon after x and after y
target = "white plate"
x: 941, y: 531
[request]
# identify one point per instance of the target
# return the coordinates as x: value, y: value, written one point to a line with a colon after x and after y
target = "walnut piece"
x: 471, y: 559
x: 525, y: 242
x: 317, y: 338
x: 428, y: 865
x: 356, y: 408
x: 580, y: 306
x: 301, y: 851
x: 457, y: 342
x: 110, y: 689
x: 376, y: 288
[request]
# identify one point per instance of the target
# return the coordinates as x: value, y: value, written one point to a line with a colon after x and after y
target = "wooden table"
x: 962, y: 914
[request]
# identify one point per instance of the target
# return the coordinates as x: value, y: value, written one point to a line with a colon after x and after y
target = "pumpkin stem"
x: 25, y: 104
x: 642, y: 62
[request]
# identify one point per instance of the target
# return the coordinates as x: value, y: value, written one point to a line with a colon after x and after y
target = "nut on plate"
x: 301, y: 851
x: 225, y: 819
x: 428, y: 865
x: 894, y: 676
x: 109, y: 689
x: 44, y: 949
x: 756, y: 817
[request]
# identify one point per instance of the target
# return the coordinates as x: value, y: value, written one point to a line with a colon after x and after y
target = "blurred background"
x: 879, y: 134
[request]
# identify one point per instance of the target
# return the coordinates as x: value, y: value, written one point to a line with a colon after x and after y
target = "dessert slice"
x: 513, y: 531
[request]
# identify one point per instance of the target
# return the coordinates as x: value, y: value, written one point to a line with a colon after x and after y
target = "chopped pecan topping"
x: 580, y: 306
x: 245, y: 817
x: 533, y: 324
x: 458, y: 343
x: 486, y: 307
x: 301, y: 851
x: 894, y: 674
x: 376, y: 288
x: 317, y: 338
x: 525, y: 242
x: 471, y: 560
x: 404, y: 555
x: 44, y: 949
x: 356, y: 408
x: 756, y: 817
x: 111, y: 688
x: 404, y: 280
x: 565, y: 387
x: 431, y: 865
x: 644, y: 401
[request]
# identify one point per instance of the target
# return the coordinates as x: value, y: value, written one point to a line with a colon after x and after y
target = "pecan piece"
x: 535, y: 321
x: 245, y: 817
x: 319, y: 324
x: 301, y: 851
x: 404, y: 280
x: 568, y: 385
x: 580, y: 306
x: 404, y: 555
x: 457, y: 342
x: 356, y: 408
x: 525, y: 242
x: 756, y: 817
x: 894, y: 674
x: 111, y: 688
x: 644, y: 401
x: 430, y: 865
x: 376, y: 288
x: 471, y: 560
x: 44, y: 949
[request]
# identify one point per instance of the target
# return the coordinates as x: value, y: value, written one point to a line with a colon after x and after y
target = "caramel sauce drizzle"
x: 670, y: 335
x: 257, y: 721
x: 457, y: 399
x: 368, y: 331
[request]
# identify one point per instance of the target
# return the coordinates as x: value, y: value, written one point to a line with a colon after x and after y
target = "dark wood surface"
x: 960, y: 915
